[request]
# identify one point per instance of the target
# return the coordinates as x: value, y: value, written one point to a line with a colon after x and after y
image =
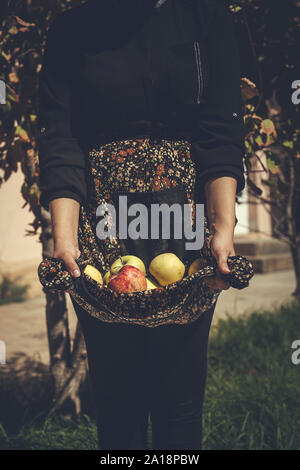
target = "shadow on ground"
x: 25, y: 391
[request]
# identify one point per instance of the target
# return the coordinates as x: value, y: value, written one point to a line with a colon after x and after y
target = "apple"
x: 196, y: 265
x: 151, y: 284
x: 167, y: 268
x: 128, y: 279
x: 126, y: 260
x: 106, y: 277
x: 93, y: 272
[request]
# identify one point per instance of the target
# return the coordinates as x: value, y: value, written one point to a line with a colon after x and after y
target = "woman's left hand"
x: 220, y: 202
x: 221, y: 245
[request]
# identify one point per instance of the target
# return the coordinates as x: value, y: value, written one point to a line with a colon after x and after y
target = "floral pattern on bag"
x: 138, y: 165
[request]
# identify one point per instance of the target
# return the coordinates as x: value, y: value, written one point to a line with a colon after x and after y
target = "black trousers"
x: 135, y: 370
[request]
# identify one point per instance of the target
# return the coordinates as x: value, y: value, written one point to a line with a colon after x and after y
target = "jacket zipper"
x: 199, y: 70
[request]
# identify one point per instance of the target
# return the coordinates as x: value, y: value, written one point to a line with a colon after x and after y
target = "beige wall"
x: 16, y: 247
x: 14, y: 221
x: 242, y: 214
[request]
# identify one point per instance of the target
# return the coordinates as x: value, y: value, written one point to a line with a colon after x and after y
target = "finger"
x: 222, y: 263
x: 71, y: 265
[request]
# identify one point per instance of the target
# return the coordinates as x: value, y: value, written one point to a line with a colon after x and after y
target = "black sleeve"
x: 61, y: 160
x: 218, y: 145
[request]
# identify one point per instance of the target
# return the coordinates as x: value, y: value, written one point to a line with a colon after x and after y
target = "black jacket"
x: 122, y: 68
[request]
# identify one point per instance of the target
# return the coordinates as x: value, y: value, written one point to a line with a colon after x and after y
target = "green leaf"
x: 22, y: 133
x: 267, y: 126
x: 235, y: 9
x: 288, y: 144
x: 271, y: 164
x: 259, y: 141
x: 3, y: 434
x: 250, y: 108
x: 248, y: 146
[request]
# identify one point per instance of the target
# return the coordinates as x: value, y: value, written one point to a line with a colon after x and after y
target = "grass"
x: 58, y: 434
x: 253, y: 388
x: 11, y: 291
x: 252, y: 394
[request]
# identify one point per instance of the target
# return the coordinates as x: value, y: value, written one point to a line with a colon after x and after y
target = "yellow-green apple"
x: 128, y: 279
x: 127, y: 260
x: 196, y: 265
x: 93, y: 272
x: 167, y: 268
x: 151, y: 284
x: 106, y: 277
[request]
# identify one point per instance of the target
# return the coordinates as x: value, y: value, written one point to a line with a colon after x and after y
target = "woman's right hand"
x: 68, y: 252
x: 65, y: 217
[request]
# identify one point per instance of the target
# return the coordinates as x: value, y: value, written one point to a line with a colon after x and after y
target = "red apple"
x: 128, y: 279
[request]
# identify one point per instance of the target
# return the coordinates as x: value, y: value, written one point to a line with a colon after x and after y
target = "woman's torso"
x: 135, y: 73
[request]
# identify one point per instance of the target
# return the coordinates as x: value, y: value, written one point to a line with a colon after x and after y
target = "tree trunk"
x: 58, y: 339
x: 295, y: 251
x: 68, y: 365
x: 75, y: 375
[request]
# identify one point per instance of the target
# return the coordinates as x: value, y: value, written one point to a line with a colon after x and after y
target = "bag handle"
x: 54, y: 276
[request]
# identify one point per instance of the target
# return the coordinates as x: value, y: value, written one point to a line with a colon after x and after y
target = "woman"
x: 126, y: 69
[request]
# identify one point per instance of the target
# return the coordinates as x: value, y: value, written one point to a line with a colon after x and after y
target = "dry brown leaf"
x: 23, y: 23
x: 248, y: 89
x: 13, y: 77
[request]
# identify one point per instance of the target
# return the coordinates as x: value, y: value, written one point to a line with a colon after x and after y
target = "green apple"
x: 127, y: 260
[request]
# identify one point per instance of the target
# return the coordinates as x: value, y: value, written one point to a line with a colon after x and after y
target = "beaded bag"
x: 148, y: 171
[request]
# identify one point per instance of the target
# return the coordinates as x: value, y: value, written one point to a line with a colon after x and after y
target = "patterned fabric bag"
x: 146, y: 171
